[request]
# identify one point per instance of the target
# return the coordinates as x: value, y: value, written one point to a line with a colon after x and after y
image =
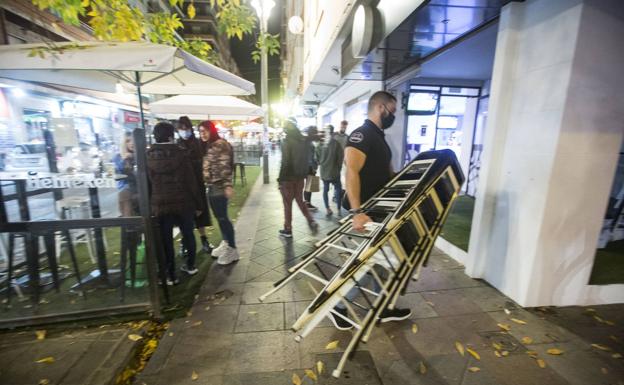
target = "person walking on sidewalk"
x: 174, y: 196
x: 332, y: 156
x: 342, y: 136
x: 313, y: 163
x: 218, y: 169
x: 293, y: 170
x: 196, y: 150
x: 367, y: 159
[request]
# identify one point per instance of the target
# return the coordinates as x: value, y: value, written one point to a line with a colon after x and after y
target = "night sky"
x: 241, y: 51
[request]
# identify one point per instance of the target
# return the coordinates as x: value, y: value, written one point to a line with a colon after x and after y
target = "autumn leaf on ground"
x: 332, y: 345
x: 46, y: 360
x: 527, y: 340
x: 170, y: 334
x: 252, y: 312
x: 497, y: 353
x: 554, y: 351
x: 319, y: 367
x: 134, y: 337
x: 541, y: 363
x: 504, y: 353
x: 473, y: 369
x: 207, y: 308
x: 519, y: 321
x: 414, y: 328
x: 44, y: 381
x: 614, y: 338
x: 497, y: 346
x: 430, y: 303
x: 474, y: 354
x: 616, y: 355
x: 194, y: 376
x: 532, y: 353
x: 601, y: 347
x: 41, y: 334
x: 295, y: 379
x: 505, y: 327
x: 459, y: 347
x: 422, y: 368
x: 311, y: 374
x: 197, y: 323
x: 507, y: 311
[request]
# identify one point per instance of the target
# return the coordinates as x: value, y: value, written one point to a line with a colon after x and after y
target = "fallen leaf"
x: 207, y: 308
x: 197, y: 323
x: 614, y: 338
x: 170, y: 334
x: 194, y: 376
x: 311, y: 374
x: 295, y: 379
x: 430, y: 303
x: 319, y: 367
x: 527, y: 340
x: 459, y: 347
x: 474, y: 354
x: 601, y: 347
x: 505, y: 327
x: 497, y: 346
x: 41, y: 334
x: 473, y: 369
x: 541, y: 363
x: 519, y: 321
x: 532, y: 353
x: 46, y: 360
x: 554, y: 351
x: 504, y: 353
x: 497, y: 353
x: 616, y: 355
x: 414, y: 328
x: 189, y: 313
x: 44, y: 381
x: 253, y: 312
x: 422, y: 368
x: 134, y: 337
x: 332, y: 345
x: 507, y: 311
x: 604, y: 370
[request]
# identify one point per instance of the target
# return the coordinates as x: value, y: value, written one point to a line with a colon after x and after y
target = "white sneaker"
x: 218, y: 251
x: 230, y: 255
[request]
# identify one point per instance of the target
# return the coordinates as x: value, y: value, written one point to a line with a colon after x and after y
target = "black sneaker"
x: 285, y: 233
x: 311, y: 207
x: 339, y: 322
x: 395, y: 314
x: 206, y: 246
x: 189, y: 271
x: 314, y: 226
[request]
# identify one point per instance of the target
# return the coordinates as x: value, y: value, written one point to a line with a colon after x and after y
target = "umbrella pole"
x: 144, y: 207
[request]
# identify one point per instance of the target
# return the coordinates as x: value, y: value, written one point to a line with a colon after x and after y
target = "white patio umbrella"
x: 205, y: 107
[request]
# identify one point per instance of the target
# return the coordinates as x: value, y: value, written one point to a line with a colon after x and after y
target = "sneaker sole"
x: 342, y: 328
x: 394, y: 319
x: 227, y: 263
x: 286, y: 235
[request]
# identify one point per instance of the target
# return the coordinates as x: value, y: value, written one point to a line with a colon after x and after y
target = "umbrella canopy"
x: 205, y: 107
x: 253, y: 127
x: 100, y: 66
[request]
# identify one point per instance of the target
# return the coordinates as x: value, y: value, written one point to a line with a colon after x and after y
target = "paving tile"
x: 440, y: 261
x: 181, y: 374
x: 541, y: 331
x: 359, y: 370
x: 269, y: 276
x: 417, y: 303
x: 224, y: 294
x: 263, y: 352
x: 255, y: 270
x: 431, y: 280
x: 260, y: 317
x: 253, y: 290
x: 486, y: 297
x: 316, y: 342
x: 401, y: 372
x: 210, y: 352
x: 451, y: 302
x: 262, y: 378
x: 220, y: 318
x: 272, y: 259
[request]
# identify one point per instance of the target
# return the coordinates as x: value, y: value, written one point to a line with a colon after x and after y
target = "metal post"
x: 144, y: 207
x: 264, y: 94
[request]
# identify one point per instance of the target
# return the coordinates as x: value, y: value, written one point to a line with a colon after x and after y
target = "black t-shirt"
x: 376, y: 171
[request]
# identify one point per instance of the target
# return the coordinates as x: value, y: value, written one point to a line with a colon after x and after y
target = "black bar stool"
x: 243, y: 177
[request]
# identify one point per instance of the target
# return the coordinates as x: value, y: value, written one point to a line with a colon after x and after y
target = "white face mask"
x: 185, y: 134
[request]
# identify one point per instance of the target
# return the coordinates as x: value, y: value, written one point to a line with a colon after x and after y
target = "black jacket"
x: 295, y: 156
x: 173, y: 184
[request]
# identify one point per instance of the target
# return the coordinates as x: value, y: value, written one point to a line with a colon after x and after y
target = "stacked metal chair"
x: 408, y: 214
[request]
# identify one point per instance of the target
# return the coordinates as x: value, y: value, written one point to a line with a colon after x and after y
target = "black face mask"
x: 387, y: 120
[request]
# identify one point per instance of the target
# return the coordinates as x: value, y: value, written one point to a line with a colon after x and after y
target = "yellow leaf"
x: 527, y: 340
x: 414, y: 328
x: 474, y: 354
x: 422, y: 368
x: 497, y: 346
x: 473, y: 369
x: 505, y: 327
x: 507, y: 311
x: 541, y: 363
x: 554, y: 351
x: 191, y: 11
x: 504, y: 353
x: 459, y: 347
x: 519, y: 321
x: 295, y: 379
x: 253, y: 312
x: 44, y: 381
x: 319, y: 367
x: 134, y: 337
x: 41, y: 334
x: 170, y: 334
x: 84, y: 3
x: 197, y: 323
x: 332, y: 345
x: 311, y: 374
x: 46, y: 360
x: 616, y: 355
x: 601, y: 347
x: 430, y: 303
x: 194, y: 376
x: 532, y: 353
x: 497, y: 353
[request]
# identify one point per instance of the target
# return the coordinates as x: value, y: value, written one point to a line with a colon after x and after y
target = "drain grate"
x: 507, y: 341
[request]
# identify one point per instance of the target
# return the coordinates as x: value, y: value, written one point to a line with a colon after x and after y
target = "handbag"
x: 313, y: 183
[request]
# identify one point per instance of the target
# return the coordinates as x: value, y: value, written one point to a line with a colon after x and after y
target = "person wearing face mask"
x: 196, y: 151
x: 367, y: 159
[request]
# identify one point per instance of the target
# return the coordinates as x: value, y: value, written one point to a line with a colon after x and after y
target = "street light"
x: 263, y: 8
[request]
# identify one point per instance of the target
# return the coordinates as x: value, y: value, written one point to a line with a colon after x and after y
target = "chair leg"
x: 122, y: 263
x: 10, y: 271
x: 72, y: 255
x: 243, y: 176
x: 51, y: 255
x: 133, y: 244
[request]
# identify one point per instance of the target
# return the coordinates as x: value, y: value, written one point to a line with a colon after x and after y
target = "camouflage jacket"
x: 218, y: 164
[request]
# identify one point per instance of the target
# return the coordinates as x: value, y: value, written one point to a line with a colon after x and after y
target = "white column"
x: 552, y: 142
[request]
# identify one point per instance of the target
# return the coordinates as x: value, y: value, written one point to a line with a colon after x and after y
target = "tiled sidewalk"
x: 231, y: 338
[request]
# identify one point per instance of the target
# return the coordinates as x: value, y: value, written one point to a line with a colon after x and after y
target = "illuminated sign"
x: 35, y: 181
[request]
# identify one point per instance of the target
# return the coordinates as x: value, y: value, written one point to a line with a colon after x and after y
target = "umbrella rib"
x: 119, y: 76
x: 163, y: 75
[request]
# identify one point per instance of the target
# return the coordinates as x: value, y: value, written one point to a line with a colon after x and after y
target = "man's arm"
x: 354, y: 160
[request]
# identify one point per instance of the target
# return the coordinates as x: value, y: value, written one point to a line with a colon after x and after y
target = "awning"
x: 205, y: 107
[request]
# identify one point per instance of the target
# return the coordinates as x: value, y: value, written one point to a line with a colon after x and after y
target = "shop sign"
x: 51, y: 180
x: 131, y: 117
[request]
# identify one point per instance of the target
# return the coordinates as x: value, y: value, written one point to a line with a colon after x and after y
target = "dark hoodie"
x: 295, y: 153
x: 172, y: 180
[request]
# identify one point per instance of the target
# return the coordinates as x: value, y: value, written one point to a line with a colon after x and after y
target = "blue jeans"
x: 186, y: 224
x: 337, y: 192
x: 218, y: 204
x: 363, y: 282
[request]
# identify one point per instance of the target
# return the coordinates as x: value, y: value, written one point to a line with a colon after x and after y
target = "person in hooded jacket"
x: 174, y: 195
x: 196, y: 150
x: 332, y: 156
x: 294, y: 169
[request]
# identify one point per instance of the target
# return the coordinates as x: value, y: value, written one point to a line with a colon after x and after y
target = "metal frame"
x: 408, y: 214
